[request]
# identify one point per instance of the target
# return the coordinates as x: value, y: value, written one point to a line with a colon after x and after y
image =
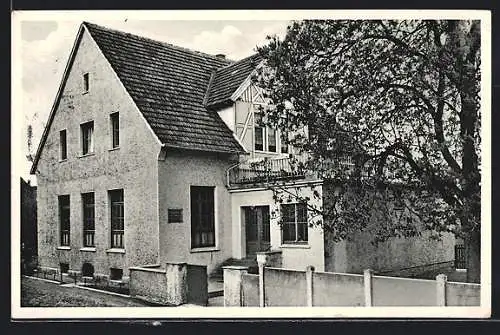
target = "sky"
x: 44, y: 45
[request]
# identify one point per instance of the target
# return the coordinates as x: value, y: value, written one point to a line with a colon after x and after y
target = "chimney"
x: 221, y: 56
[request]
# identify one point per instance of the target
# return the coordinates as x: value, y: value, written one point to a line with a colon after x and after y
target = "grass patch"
x: 37, y: 293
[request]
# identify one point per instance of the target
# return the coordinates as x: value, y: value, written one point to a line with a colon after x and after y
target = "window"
x: 271, y: 140
x: 86, y: 84
x: 115, y: 130
x: 117, y: 218
x: 63, y: 145
x: 88, y: 219
x: 87, y: 130
x: 64, y: 214
x: 284, y: 142
x: 64, y: 267
x: 174, y: 215
x: 202, y: 217
x: 294, y: 221
x: 87, y: 270
x: 259, y: 132
x: 266, y: 138
x: 115, y: 274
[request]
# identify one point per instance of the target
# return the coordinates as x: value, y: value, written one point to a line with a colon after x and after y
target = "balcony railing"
x: 266, y: 170
x: 271, y: 170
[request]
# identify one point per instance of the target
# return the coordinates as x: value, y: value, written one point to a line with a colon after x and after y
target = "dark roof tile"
x: 227, y: 80
x: 168, y: 85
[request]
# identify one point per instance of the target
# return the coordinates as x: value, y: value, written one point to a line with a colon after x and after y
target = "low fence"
x: 176, y: 284
x: 283, y: 287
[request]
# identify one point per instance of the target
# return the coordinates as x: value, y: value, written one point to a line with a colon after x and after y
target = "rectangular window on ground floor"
x: 64, y: 223
x: 88, y: 219
x: 202, y: 217
x: 117, y: 218
x: 294, y: 223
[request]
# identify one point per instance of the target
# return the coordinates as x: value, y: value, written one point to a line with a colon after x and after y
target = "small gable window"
x: 115, y: 130
x: 63, y: 149
x: 86, y: 83
x: 87, y: 130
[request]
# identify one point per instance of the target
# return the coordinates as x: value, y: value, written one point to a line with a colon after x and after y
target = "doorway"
x: 257, y: 229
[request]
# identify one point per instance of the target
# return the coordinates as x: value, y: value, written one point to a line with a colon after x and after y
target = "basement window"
x: 115, y: 274
x: 64, y: 267
x: 87, y: 270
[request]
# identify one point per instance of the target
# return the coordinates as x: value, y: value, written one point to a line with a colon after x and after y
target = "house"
x: 149, y: 156
x: 28, y: 225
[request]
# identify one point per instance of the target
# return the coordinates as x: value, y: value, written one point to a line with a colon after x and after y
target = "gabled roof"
x: 226, y: 80
x: 168, y: 85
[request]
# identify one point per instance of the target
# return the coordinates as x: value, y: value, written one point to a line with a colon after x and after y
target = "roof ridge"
x: 236, y: 62
x: 195, y: 52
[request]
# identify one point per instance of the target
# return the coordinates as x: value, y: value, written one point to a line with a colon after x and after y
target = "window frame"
x: 115, y: 131
x: 296, y: 222
x: 201, y: 196
x: 86, y: 82
x: 266, y: 136
x: 63, y: 145
x: 88, y: 222
x: 117, y: 236
x: 85, y: 143
x: 64, y: 234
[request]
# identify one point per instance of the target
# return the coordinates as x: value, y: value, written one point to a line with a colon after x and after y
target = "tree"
x: 401, y: 99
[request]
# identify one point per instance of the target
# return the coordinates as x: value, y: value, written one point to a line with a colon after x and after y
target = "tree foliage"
x: 402, y: 100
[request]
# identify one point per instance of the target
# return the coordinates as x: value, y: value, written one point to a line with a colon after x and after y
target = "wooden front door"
x: 257, y: 229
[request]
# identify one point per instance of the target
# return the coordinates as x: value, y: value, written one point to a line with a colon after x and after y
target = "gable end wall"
x: 132, y: 167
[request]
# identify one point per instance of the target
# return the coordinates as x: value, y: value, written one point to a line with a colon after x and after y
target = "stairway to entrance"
x: 250, y: 262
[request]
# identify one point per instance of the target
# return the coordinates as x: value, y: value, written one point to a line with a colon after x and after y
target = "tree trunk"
x: 473, y: 257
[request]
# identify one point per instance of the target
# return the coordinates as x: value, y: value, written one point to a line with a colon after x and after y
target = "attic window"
x: 86, y: 84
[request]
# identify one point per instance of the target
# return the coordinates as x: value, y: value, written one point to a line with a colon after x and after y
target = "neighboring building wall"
x: 294, y: 256
x: 358, y: 253
x: 28, y: 222
x: 132, y: 167
x: 179, y: 171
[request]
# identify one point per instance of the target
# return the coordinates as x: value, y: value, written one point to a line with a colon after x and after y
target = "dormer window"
x: 86, y: 83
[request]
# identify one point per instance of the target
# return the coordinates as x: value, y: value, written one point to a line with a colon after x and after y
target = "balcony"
x: 286, y: 169
x: 265, y: 171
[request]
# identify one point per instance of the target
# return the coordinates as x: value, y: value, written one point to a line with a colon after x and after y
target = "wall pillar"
x: 176, y: 283
x: 261, y: 261
x: 233, y: 276
x: 368, y: 277
x: 441, y: 280
x: 309, y: 285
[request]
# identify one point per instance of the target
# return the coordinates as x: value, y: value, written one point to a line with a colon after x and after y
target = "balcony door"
x: 256, y: 220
